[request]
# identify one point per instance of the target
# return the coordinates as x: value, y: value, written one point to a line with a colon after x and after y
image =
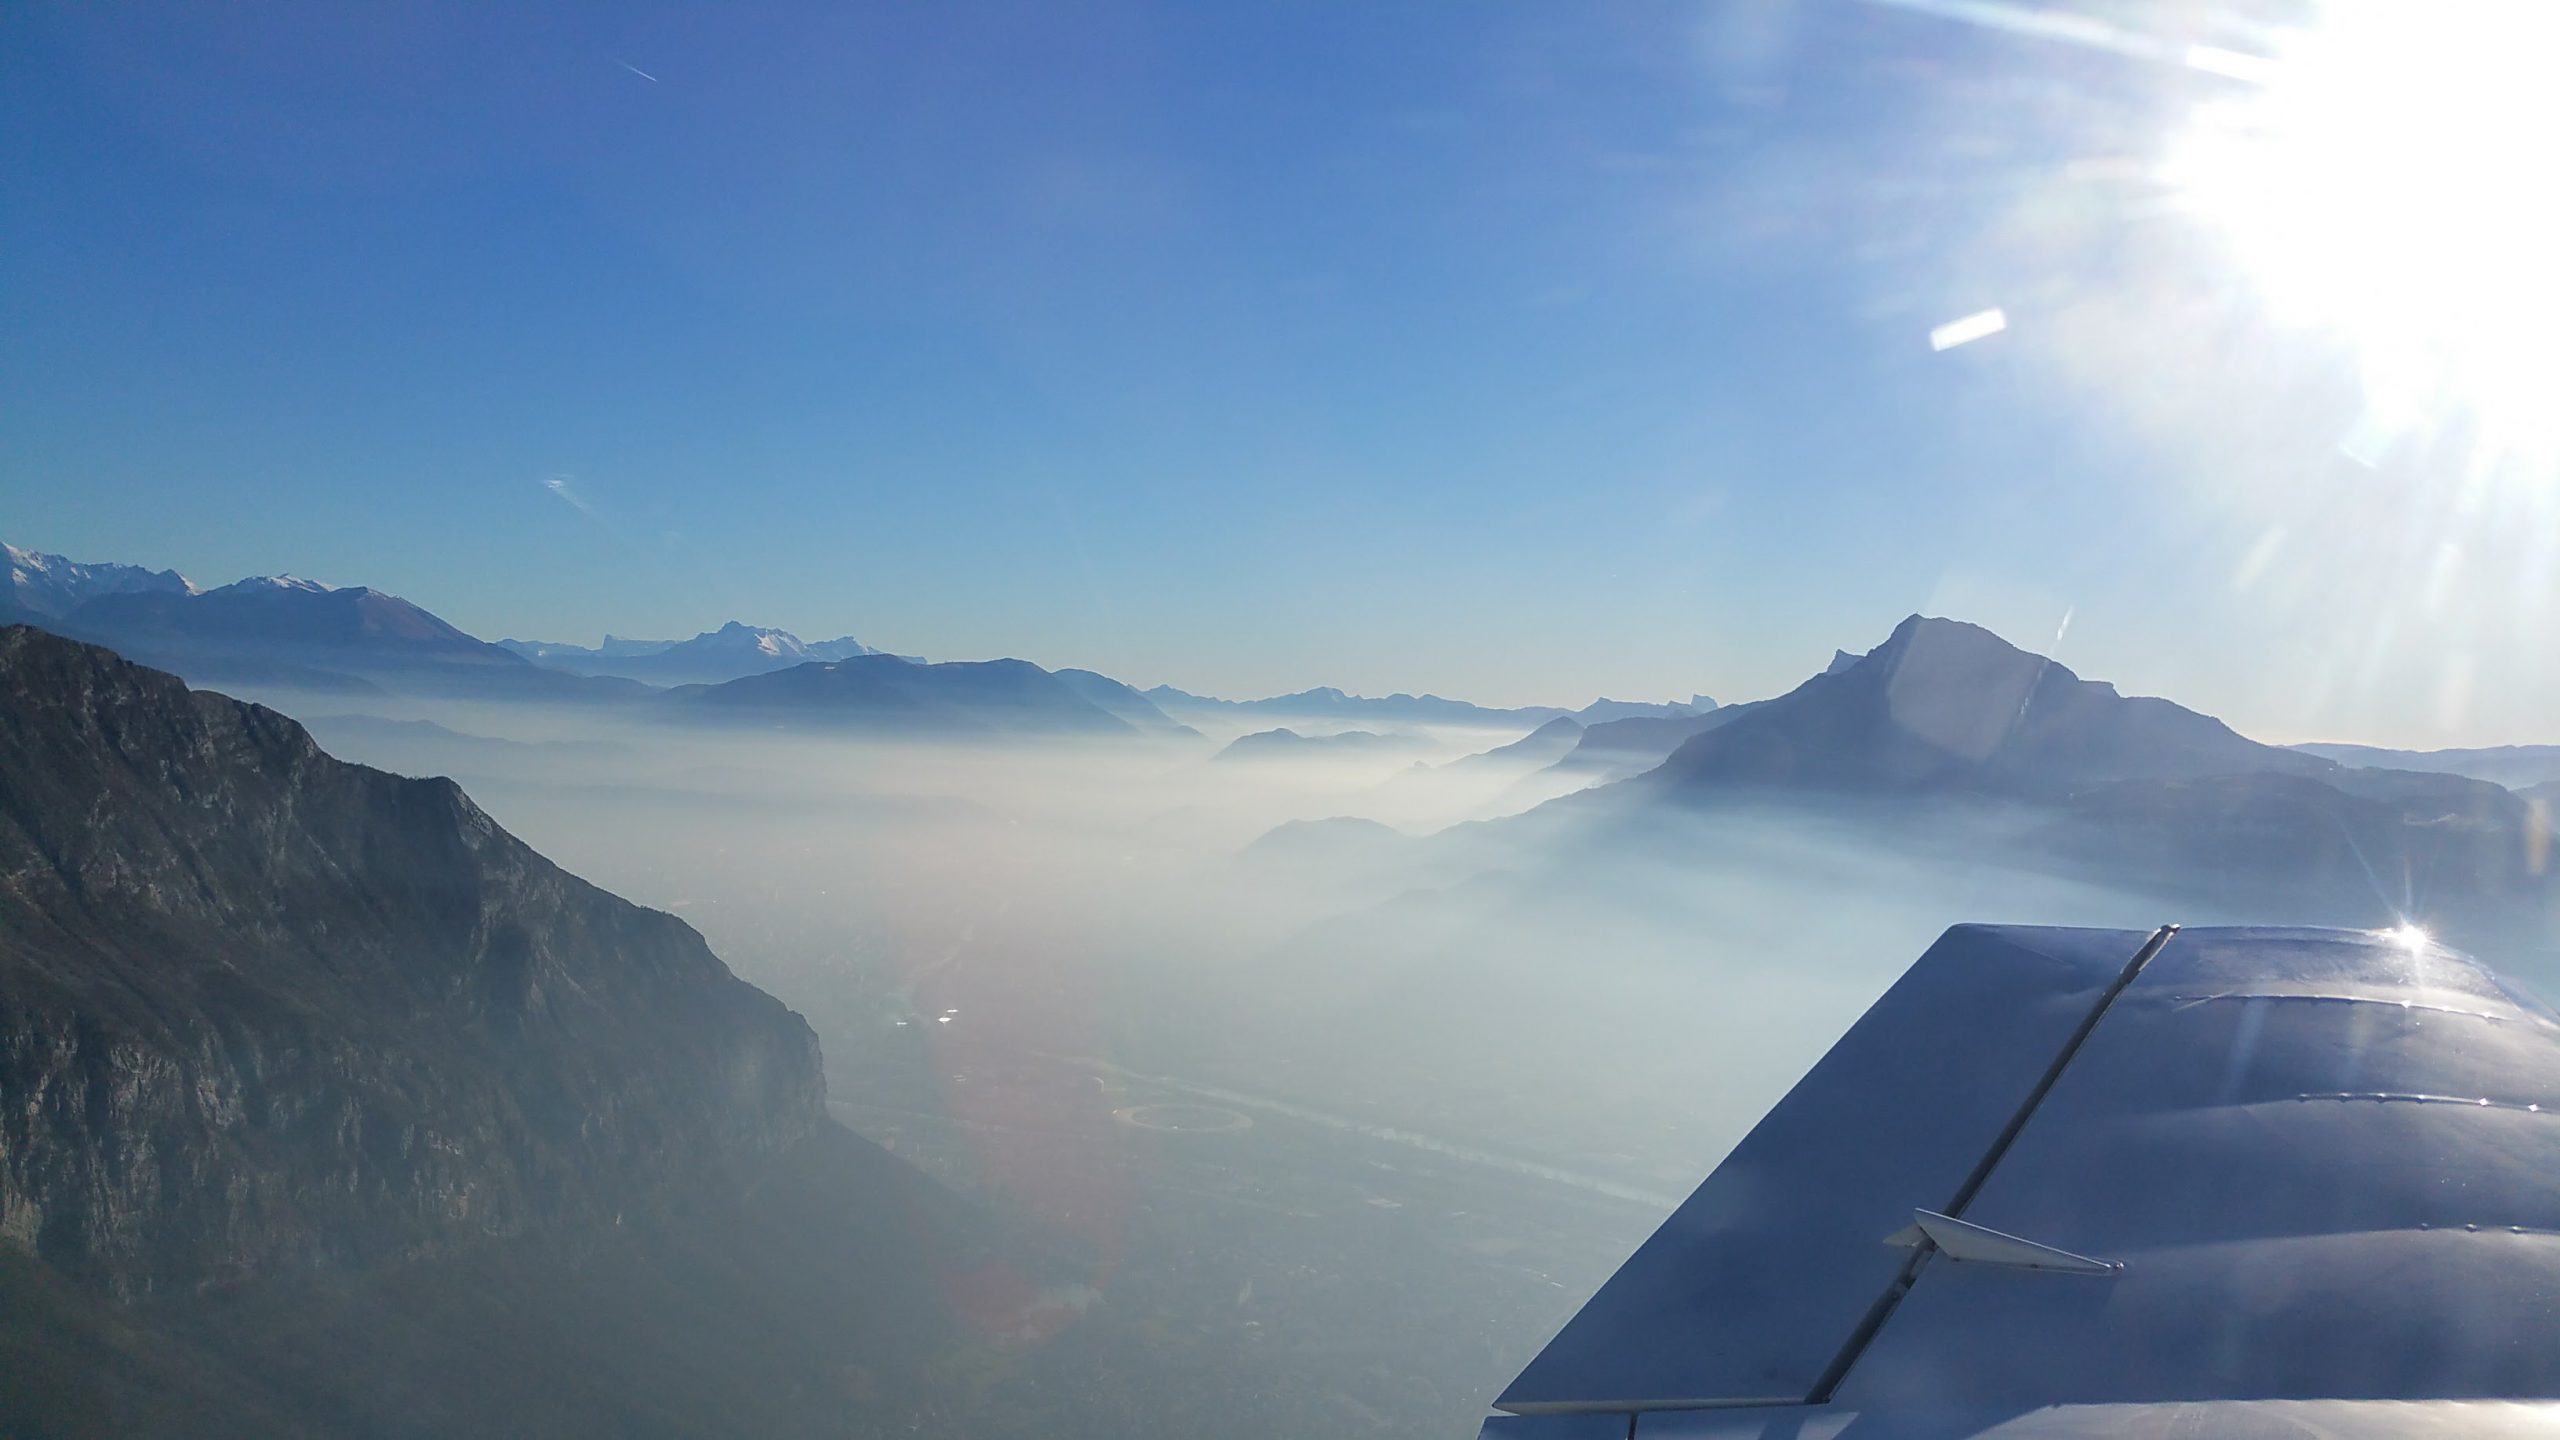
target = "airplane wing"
x: 2237, y: 1182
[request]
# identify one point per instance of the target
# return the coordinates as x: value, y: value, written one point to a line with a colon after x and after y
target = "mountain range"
x: 1124, y: 703
x: 48, y: 587
x: 280, y: 630
x: 884, y: 694
x: 284, y: 632
x: 2517, y: 767
x: 1943, y: 772
x: 1944, y: 704
x: 1540, y: 747
x: 288, y: 632
x: 1947, y: 746
x: 1285, y: 744
x: 1618, y: 748
x: 336, y: 1109
x: 1951, y: 738
x: 1327, y: 703
x: 732, y: 652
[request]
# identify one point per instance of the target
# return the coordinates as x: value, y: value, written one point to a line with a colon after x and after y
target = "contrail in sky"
x: 636, y: 70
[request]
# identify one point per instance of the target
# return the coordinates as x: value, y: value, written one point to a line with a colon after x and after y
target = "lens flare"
x: 2386, y: 176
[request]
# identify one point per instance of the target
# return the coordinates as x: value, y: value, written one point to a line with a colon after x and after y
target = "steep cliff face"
x: 261, y: 1010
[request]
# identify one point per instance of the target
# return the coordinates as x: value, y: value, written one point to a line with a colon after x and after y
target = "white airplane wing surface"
x: 2241, y: 1182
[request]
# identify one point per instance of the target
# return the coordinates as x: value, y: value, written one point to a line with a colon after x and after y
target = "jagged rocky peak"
x: 261, y: 1009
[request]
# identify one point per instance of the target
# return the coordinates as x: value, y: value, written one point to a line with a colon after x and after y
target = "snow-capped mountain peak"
x: 762, y: 639
x: 734, y: 650
x: 280, y: 582
x: 42, y: 584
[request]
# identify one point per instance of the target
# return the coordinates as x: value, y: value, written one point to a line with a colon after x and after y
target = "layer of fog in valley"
x: 1347, y: 1071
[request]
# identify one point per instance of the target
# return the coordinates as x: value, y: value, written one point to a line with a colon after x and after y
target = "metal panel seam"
x: 1829, y: 1383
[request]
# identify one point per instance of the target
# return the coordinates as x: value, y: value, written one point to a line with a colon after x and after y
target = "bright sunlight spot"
x: 1972, y: 327
x: 2389, y: 178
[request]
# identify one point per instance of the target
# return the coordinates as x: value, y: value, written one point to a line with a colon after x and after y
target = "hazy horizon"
x: 1722, y: 694
x: 419, y: 1037
x: 1505, y: 354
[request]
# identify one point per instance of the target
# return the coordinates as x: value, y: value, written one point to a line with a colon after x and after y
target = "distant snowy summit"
x: 283, y: 631
x: 733, y: 652
x: 258, y: 584
x: 48, y: 587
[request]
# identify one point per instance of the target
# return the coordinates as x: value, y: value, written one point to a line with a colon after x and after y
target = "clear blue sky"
x: 1516, y: 351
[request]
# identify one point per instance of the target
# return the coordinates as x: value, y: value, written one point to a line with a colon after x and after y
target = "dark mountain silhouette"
x: 2514, y: 766
x: 1947, y: 741
x: 48, y: 587
x: 887, y: 695
x: 1123, y: 701
x: 1619, y: 748
x: 1947, y: 705
x: 1287, y: 745
x: 286, y: 630
x: 2368, y: 847
x: 1540, y: 747
x: 1327, y: 703
x: 334, y: 1109
x: 1601, y: 712
x: 287, y: 608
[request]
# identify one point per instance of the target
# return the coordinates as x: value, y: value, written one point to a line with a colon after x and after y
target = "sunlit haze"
x: 1279, y: 718
x: 1520, y: 353
x: 1524, y: 357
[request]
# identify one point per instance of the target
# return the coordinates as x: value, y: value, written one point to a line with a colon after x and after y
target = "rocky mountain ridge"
x: 335, y: 1109
x: 264, y: 1006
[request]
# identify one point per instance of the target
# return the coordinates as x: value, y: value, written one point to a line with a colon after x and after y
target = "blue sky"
x: 1521, y: 352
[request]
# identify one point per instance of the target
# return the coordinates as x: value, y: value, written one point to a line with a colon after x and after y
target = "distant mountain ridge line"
x: 287, y: 630
x: 1329, y: 702
x: 51, y: 589
x: 733, y: 651
x: 42, y: 586
x: 2518, y: 767
x: 1948, y: 739
x: 887, y: 694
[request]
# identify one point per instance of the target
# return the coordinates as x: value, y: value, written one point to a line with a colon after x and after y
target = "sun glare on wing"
x: 2386, y: 174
